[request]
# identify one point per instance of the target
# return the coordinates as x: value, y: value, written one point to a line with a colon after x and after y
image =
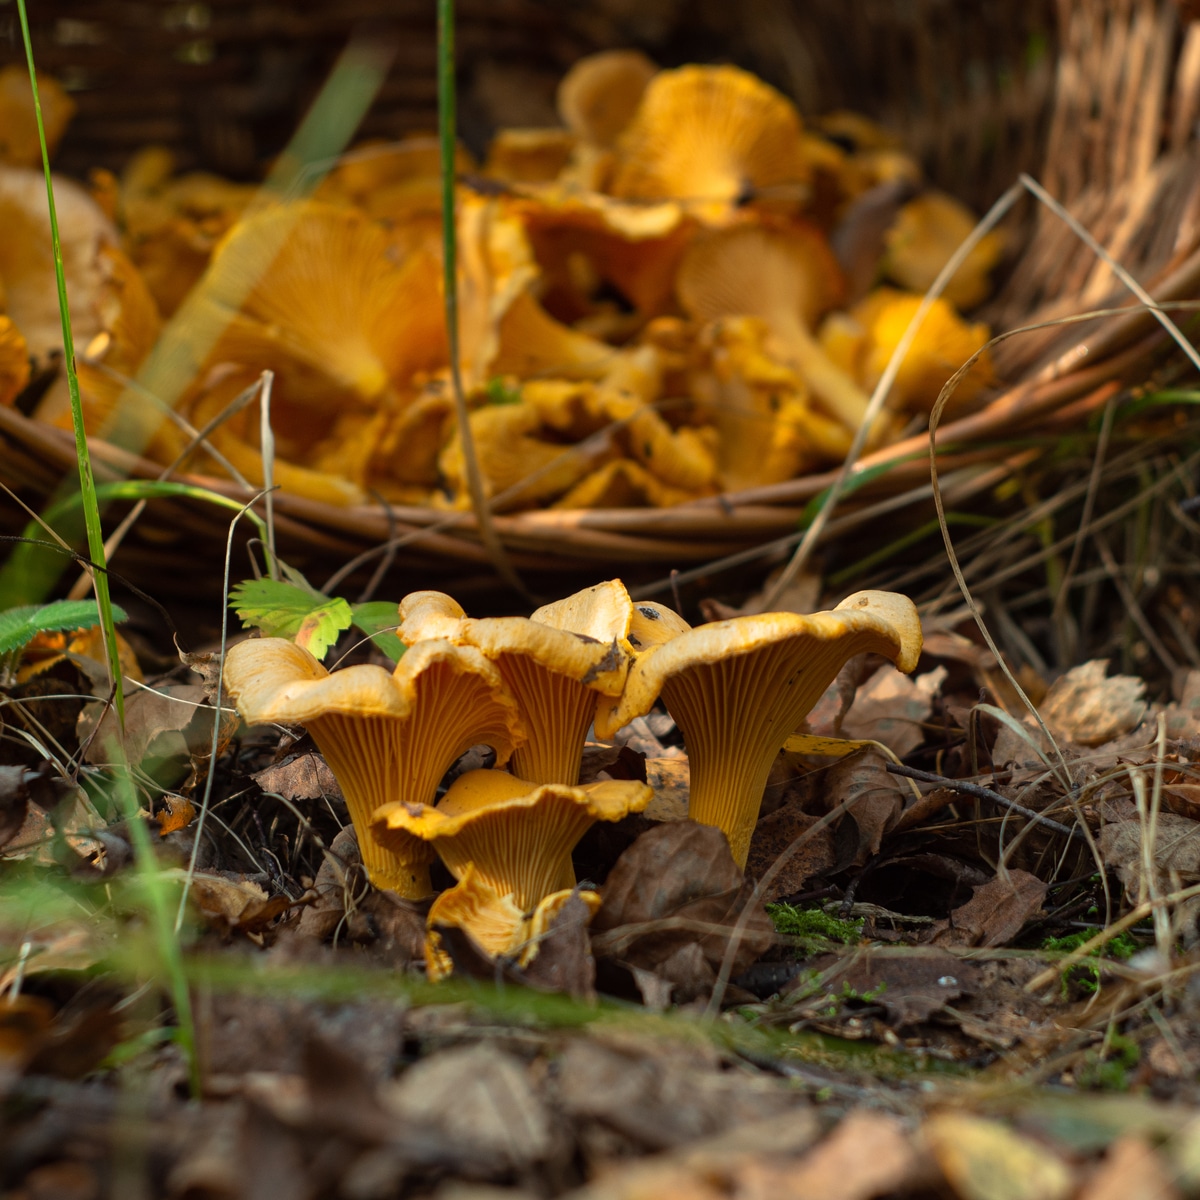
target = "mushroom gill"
x: 788, y: 277
x: 518, y: 835
x: 710, y: 137
x: 388, y: 737
x: 739, y: 688
x: 556, y: 672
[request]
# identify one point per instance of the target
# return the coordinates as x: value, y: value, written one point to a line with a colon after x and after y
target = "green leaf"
x: 19, y: 626
x: 288, y: 610
x: 378, y: 620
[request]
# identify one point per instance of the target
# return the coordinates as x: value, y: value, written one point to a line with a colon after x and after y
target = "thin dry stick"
x: 807, y: 544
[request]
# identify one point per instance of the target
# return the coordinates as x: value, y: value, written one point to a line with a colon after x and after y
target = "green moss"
x: 1085, y: 976
x: 813, y: 926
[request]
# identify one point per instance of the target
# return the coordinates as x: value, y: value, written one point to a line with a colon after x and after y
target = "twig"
x: 982, y: 793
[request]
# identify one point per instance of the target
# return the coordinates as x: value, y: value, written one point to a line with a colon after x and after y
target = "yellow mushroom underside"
x: 520, y: 845
x: 494, y: 922
x: 557, y: 711
x: 736, y: 713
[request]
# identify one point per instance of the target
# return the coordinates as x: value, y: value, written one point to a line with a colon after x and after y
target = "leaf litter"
x: 921, y: 916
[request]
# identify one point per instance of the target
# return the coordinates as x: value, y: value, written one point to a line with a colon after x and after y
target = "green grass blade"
x: 87, y: 481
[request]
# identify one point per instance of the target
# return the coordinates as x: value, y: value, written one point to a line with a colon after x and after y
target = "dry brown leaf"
x: 1131, y: 1168
x: 869, y: 1154
x: 910, y: 988
x: 1176, y: 852
x: 659, y: 1094
x: 874, y: 797
x: 670, y: 906
x: 305, y: 777
x: 773, y: 835
x: 985, y: 1160
x: 994, y: 914
x: 564, y: 960
x: 891, y: 708
x: 479, y: 1098
x: 1091, y: 709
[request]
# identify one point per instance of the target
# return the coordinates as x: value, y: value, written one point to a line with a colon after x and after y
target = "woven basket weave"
x: 1098, y: 98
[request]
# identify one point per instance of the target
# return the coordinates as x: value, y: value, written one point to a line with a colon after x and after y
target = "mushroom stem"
x: 349, y: 746
x: 829, y: 383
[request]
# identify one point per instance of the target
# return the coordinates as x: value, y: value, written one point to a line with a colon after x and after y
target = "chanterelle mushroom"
x: 709, y: 136
x: 519, y: 835
x: 739, y: 688
x: 786, y: 276
x: 556, y: 664
x: 388, y: 737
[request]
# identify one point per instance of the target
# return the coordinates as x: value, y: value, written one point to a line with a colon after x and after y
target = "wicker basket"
x: 1102, y: 101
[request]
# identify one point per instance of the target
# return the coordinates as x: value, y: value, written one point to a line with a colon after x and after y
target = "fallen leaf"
x: 985, y: 1160
x: 874, y: 797
x: 671, y: 904
x: 480, y: 1098
x: 659, y: 1094
x: 911, y: 987
x: 774, y: 835
x: 892, y: 708
x: 1176, y: 851
x: 564, y: 960
x: 1091, y: 709
x: 175, y: 813
x: 995, y: 913
x: 825, y: 717
x: 305, y: 777
x: 1131, y: 1168
x: 869, y: 1154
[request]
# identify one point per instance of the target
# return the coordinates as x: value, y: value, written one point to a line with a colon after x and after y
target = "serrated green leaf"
x: 19, y: 626
x: 378, y: 620
x: 287, y: 610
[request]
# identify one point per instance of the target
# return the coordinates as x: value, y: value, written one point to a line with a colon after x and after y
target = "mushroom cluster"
x: 674, y: 293
x: 532, y: 689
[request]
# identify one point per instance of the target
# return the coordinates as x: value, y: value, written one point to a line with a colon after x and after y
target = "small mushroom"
x: 738, y: 689
x: 786, y: 276
x: 518, y: 835
x: 599, y: 95
x: 927, y: 232
x: 710, y: 137
x: 495, y: 922
x: 528, y: 155
x: 942, y: 344
x: 556, y: 671
x: 624, y: 483
x: 531, y: 342
x: 388, y: 737
x: 316, y: 285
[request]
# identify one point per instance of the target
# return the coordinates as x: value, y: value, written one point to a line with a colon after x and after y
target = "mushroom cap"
x: 599, y: 95
x: 531, y: 342
x: 27, y: 280
x: 14, y: 361
x: 556, y: 673
x: 652, y: 624
x: 319, y: 285
x: 388, y: 737
x: 782, y: 275
x: 519, y: 835
x: 494, y: 922
x: 942, y: 344
x: 602, y: 612
x: 708, y: 136
x: 738, y: 688
x: 19, y: 144
x: 512, y: 455
x: 529, y: 155
x: 624, y: 483
x: 928, y: 230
